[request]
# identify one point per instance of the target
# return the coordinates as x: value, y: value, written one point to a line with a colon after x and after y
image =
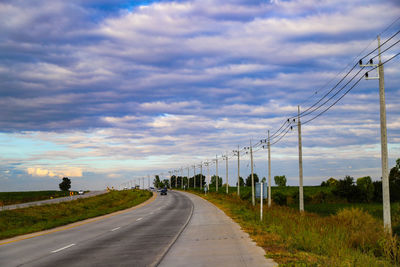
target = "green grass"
x: 32, y: 219
x: 350, y: 238
x: 10, y: 198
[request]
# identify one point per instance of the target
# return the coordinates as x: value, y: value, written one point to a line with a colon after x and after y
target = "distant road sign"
x: 265, y: 189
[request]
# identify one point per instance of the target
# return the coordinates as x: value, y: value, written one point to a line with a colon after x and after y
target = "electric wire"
x: 334, y: 103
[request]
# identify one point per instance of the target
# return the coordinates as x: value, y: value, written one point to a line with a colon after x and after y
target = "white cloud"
x: 63, y: 171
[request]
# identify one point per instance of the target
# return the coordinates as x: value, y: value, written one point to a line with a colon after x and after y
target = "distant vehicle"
x: 151, y: 188
x: 81, y: 192
x: 159, y: 190
x: 164, y: 191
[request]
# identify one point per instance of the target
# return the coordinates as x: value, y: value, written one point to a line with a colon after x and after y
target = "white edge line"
x: 57, y: 250
x: 115, y: 229
x: 139, y: 219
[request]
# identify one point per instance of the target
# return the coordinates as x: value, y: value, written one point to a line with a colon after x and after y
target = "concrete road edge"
x: 162, y: 255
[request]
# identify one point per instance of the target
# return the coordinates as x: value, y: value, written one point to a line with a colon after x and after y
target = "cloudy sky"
x: 105, y: 92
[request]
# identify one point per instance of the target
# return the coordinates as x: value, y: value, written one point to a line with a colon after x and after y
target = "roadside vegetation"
x: 10, y: 198
x: 37, y: 218
x: 350, y: 237
x: 341, y: 226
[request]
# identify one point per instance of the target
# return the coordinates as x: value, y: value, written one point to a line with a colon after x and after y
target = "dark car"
x: 164, y: 191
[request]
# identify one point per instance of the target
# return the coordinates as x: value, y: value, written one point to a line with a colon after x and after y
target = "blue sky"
x: 105, y: 92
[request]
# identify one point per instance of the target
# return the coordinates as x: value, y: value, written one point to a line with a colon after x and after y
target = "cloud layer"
x: 148, y: 86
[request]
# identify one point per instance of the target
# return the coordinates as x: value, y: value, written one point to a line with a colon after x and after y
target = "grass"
x: 350, y: 237
x: 10, y: 198
x: 38, y: 218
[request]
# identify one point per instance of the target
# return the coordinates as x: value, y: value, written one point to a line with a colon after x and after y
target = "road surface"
x: 179, y: 229
x: 52, y: 201
x: 137, y: 237
x: 213, y: 239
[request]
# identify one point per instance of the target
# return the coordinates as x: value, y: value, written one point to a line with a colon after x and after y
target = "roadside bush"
x: 279, y: 198
x: 363, y: 230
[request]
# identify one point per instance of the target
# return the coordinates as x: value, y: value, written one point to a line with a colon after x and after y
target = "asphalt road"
x: 213, y: 239
x: 139, y: 237
x: 52, y: 201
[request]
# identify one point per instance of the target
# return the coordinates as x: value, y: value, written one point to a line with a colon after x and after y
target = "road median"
x: 34, y: 219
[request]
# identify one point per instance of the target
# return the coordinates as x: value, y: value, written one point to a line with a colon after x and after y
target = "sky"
x: 107, y: 92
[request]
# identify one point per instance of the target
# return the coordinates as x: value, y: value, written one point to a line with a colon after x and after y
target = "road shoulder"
x: 211, y: 238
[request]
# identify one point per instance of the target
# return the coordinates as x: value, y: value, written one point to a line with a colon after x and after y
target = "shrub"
x: 279, y: 198
x: 363, y: 231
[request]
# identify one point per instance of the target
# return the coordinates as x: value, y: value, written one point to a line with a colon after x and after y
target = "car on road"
x: 164, y: 191
x: 81, y: 192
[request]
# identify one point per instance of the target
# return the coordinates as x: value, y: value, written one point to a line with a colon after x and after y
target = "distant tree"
x: 214, y: 179
x: 330, y: 182
x: 65, y: 185
x: 241, y: 181
x: 394, y: 182
x: 280, y: 180
x: 347, y: 189
x: 365, y: 188
x: 156, y: 181
x: 263, y: 180
x: 248, y: 179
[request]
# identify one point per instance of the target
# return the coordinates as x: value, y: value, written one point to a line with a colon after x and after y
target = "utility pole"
x: 188, y: 178
x: 176, y: 178
x: 216, y: 173
x: 170, y: 179
x: 201, y: 175
x: 253, y: 198
x: 269, y: 171
x: 387, y: 221
x: 194, y: 176
x: 226, y: 160
x: 236, y: 152
x: 208, y: 175
x: 301, y: 197
x: 181, y: 177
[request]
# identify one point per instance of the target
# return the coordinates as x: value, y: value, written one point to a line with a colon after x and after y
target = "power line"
x: 334, y: 103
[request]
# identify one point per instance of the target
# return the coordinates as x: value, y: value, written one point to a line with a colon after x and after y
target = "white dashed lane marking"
x: 57, y: 250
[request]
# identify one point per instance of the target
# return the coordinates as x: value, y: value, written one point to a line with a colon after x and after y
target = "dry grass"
x: 32, y: 219
x: 351, y: 237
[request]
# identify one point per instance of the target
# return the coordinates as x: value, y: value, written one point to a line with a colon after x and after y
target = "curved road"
x: 138, y: 237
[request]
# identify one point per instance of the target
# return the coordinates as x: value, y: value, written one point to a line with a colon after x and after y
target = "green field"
x: 33, y: 219
x: 10, y: 198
